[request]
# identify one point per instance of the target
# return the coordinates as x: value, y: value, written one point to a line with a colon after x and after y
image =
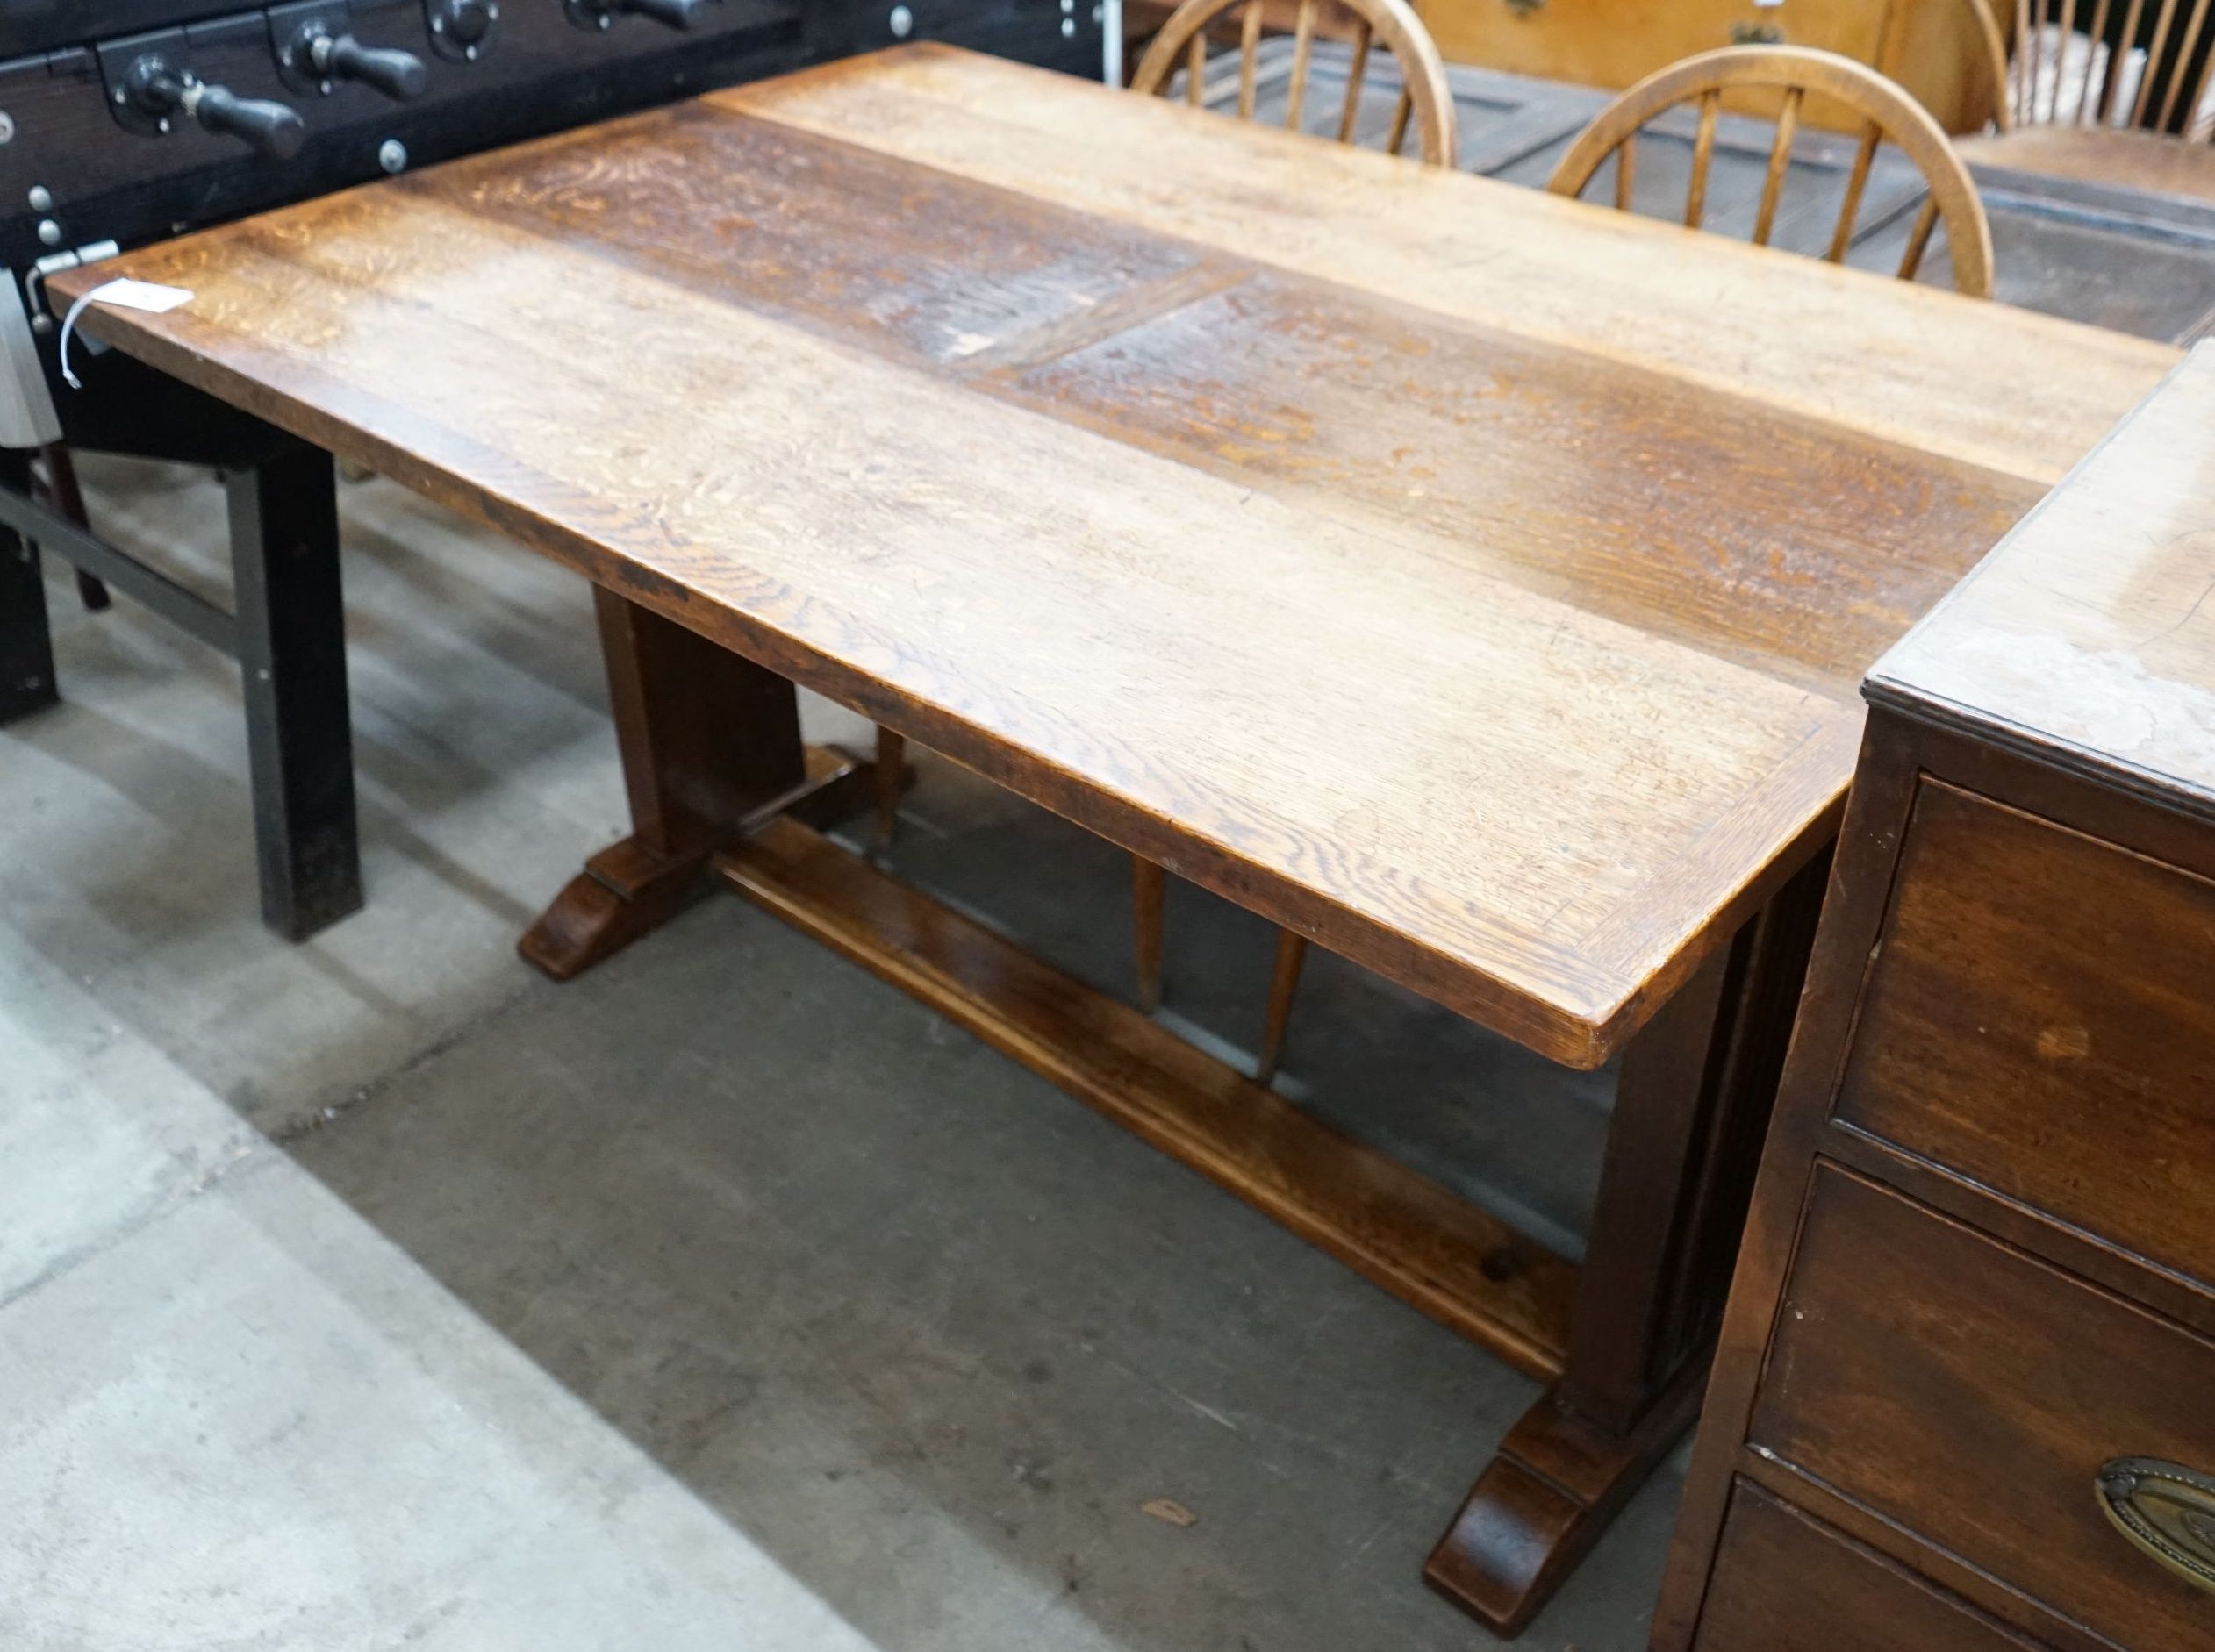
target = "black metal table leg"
x: 26, y: 647
x: 292, y: 639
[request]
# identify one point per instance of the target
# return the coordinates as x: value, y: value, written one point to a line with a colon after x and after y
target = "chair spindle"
x: 1355, y: 75
x: 1149, y: 890
x: 1303, y: 41
x: 1284, y: 983
x: 1926, y: 220
x: 1787, y: 121
x: 2185, y: 47
x: 891, y: 756
x: 2117, y: 60
x: 1249, y: 57
x: 2084, y: 92
x: 1695, y: 195
x: 1856, y: 181
x: 1401, y: 111
x: 2154, y: 50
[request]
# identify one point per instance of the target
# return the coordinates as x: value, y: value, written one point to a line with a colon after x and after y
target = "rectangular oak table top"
x: 1474, y: 581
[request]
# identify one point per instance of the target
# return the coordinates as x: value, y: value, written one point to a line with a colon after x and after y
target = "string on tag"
x: 130, y: 295
x: 68, y: 327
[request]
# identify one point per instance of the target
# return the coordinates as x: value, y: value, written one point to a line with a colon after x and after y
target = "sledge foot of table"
x: 631, y: 889
x: 1543, y: 1501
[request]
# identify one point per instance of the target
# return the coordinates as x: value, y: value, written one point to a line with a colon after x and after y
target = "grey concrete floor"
x: 376, y: 1293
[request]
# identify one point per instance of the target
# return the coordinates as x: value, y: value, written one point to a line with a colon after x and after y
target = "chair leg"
x: 891, y: 756
x: 1284, y: 981
x: 1148, y: 888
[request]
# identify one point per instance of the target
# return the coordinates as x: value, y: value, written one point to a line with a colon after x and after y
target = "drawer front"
x: 1972, y: 1393
x: 2041, y: 1017
x: 1784, y: 1582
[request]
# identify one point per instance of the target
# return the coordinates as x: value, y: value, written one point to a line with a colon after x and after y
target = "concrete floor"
x: 377, y: 1292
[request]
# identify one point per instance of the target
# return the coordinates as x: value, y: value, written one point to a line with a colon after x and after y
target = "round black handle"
x: 676, y: 14
x: 398, y: 75
x: 274, y: 129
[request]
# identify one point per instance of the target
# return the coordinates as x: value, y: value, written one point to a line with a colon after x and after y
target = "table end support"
x: 712, y: 752
x: 1544, y: 1499
x: 629, y: 889
x: 1693, y: 1101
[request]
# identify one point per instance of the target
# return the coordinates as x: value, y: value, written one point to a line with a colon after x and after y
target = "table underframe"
x: 722, y: 790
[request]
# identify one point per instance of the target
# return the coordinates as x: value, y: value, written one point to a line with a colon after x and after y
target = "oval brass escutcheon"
x: 2166, y: 1510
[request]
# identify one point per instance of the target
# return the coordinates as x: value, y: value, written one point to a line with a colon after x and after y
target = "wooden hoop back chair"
x: 1426, y: 102
x: 2102, y: 81
x: 1887, y: 111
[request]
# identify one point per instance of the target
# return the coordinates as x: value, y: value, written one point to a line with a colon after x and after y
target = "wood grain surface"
x: 1984, y: 1046
x: 2104, y: 662
x: 1487, y: 622
x: 1924, y: 369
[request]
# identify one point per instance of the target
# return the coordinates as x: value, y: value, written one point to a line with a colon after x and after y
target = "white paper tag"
x: 125, y: 294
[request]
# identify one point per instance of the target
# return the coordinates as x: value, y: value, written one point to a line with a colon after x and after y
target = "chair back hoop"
x: 1887, y: 111
x: 1426, y: 102
x: 2048, y: 90
x: 1994, y: 45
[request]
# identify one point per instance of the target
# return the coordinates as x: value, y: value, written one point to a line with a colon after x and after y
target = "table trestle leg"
x: 711, y: 749
x: 1695, y: 1091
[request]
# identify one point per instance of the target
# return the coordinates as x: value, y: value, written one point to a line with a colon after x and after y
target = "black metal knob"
x: 600, y: 14
x: 398, y: 74
x: 461, y: 29
x: 275, y: 129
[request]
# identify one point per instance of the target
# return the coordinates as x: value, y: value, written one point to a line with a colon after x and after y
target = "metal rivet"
x: 7, y: 127
x: 902, y: 23
x: 1068, y: 28
x: 41, y: 198
x: 50, y: 232
x: 391, y: 154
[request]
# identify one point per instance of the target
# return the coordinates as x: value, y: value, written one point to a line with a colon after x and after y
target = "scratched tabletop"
x: 1474, y: 581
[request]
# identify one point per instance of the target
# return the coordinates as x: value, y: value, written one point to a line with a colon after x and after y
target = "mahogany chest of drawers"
x: 1966, y: 1398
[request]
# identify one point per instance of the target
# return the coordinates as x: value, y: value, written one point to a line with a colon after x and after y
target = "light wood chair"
x: 1887, y: 113
x: 2122, y: 77
x: 1426, y: 100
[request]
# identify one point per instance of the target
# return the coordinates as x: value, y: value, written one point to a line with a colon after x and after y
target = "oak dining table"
x: 1472, y: 582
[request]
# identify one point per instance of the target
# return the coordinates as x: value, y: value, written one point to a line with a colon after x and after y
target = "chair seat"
x: 2153, y: 162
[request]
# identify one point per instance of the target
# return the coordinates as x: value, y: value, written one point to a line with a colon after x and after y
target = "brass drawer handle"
x: 2167, y: 1510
